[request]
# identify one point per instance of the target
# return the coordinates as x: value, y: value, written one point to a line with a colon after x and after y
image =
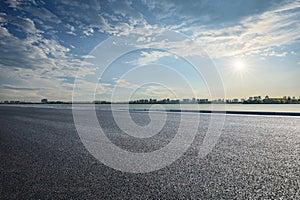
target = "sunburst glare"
x: 239, y: 65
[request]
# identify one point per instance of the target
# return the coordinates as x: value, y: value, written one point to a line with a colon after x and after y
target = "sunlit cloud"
x: 47, y: 44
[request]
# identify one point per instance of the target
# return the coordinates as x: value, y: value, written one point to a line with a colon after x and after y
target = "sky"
x: 120, y: 50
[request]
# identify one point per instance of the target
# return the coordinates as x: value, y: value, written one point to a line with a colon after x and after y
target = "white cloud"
x: 37, y: 63
x: 149, y: 57
x: 26, y: 24
x: 3, y: 18
x: 276, y: 54
x: 122, y: 83
x: 87, y: 56
x: 20, y: 53
x: 254, y: 35
x: 42, y: 13
x: 13, y: 3
x: 42, y: 59
x: 88, y: 32
x: 265, y: 31
x: 71, y: 29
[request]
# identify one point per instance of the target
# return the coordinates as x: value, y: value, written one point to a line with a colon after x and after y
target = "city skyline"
x: 253, y: 45
x: 257, y: 99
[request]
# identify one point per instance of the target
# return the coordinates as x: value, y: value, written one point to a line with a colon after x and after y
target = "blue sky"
x: 46, y: 45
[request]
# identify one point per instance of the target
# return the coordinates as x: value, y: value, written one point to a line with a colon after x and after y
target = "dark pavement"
x: 42, y: 157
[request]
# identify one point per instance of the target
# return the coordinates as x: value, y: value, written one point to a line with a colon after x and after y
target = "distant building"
x: 257, y: 98
x: 185, y: 100
x: 202, y: 100
x: 235, y: 100
x: 14, y: 102
x: 44, y: 101
x: 153, y: 100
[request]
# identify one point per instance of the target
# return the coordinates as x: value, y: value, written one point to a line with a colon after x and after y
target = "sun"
x: 239, y: 65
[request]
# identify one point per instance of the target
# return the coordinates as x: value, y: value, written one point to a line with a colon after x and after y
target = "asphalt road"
x: 42, y: 157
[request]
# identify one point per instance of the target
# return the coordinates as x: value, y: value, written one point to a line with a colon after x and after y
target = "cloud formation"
x: 45, y: 41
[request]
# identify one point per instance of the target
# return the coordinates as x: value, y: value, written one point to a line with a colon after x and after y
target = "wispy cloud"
x: 149, y: 57
x: 11, y: 87
x: 42, y: 41
x: 122, y: 83
x: 254, y: 34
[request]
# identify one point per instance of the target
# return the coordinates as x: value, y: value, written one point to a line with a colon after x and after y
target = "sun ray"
x: 239, y: 65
